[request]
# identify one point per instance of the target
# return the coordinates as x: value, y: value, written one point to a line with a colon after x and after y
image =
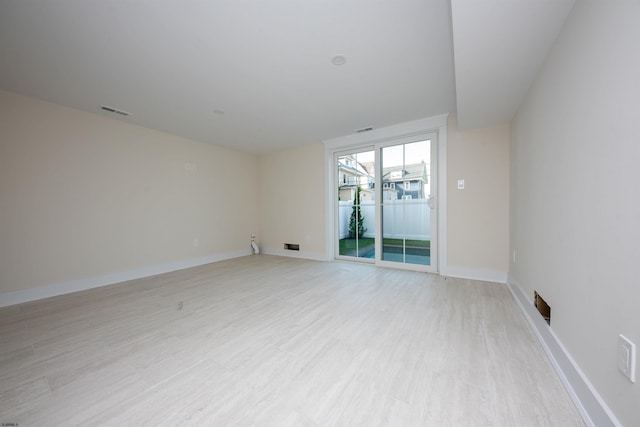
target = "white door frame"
x: 437, y: 124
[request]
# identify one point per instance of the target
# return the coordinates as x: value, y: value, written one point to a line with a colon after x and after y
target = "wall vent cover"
x: 542, y: 306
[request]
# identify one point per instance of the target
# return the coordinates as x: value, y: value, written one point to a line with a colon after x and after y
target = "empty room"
x: 317, y: 213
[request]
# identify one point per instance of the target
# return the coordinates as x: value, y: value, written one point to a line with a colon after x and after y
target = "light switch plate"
x: 627, y: 358
x: 461, y: 184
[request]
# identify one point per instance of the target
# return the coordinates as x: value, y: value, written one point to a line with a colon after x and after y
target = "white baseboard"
x: 483, y: 274
x: 61, y: 288
x: 592, y: 408
x: 314, y: 256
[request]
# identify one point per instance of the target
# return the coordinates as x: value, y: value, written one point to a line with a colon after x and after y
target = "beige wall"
x: 292, y: 201
x: 575, y: 209
x: 293, y: 206
x: 84, y: 196
x: 478, y: 216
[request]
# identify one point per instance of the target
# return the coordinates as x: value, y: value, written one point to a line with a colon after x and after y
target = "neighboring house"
x: 352, y: 174
x: 408, y: 182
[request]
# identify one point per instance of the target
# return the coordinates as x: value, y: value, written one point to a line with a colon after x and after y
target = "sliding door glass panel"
x: 405, y: 202
x: 356, y: 204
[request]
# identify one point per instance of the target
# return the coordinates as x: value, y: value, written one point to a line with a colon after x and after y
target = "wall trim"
x: 590, y: 405
x: 314, y: 256
x: 415, y: 127
x: 67, y: 287
x: 482, y: 274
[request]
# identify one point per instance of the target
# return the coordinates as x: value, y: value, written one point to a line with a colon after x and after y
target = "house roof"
x: 413, y: 172
x: 357, y: 168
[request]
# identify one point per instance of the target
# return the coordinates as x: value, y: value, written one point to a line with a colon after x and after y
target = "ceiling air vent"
x: 364, y: 130
x: 115, y: 110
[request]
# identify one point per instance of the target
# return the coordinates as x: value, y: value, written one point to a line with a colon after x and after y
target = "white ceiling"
x: 499, y: 46
x: 256, y: 75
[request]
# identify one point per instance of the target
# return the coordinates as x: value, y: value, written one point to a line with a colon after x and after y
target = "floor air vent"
x: 291, y: 247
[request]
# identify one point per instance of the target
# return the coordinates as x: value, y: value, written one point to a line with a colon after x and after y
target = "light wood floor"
x: 266, y: 340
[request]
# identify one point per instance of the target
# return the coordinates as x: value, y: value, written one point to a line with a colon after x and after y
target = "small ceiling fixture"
x: 115, y: 110
x: 338, y: 60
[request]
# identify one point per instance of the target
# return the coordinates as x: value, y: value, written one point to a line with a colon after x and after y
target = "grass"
x: 412, y: 243
x: 349, y: 245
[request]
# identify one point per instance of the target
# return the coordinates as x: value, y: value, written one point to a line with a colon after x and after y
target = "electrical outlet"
x: 627, y: 358
x: 196, y: 243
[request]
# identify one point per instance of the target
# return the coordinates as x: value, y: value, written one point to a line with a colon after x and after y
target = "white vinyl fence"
x: 409, y: 219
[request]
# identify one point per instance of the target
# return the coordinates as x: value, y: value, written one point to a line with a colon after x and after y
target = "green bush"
x: 356, y: 222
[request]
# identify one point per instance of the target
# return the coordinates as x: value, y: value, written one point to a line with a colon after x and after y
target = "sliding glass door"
x: 356, y: 211
x: 385, y: 203
x: 407, y: 202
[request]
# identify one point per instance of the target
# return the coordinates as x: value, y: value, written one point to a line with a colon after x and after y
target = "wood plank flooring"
x: 266, y: 340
